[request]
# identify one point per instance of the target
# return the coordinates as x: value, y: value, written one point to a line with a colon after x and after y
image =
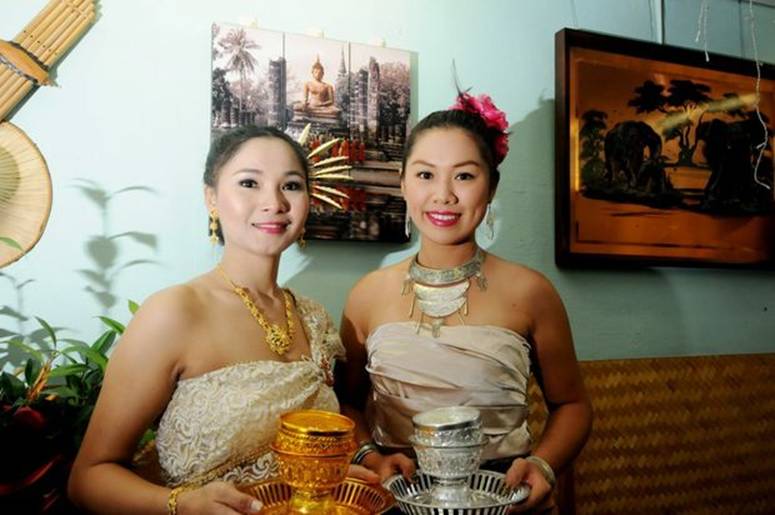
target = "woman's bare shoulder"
x: 371, y: 285
x: 368, y: 294
x: 178, y: 303
x: 167, y: 316
x: 518, y: 278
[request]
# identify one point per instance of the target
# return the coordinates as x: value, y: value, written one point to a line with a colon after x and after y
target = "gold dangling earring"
x: 301, y: 241
x: 213, y: 226
x: 489, y: 221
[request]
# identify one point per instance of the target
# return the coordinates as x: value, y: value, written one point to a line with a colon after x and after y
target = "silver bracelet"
x: 363, y: 450
x: 545, y: 469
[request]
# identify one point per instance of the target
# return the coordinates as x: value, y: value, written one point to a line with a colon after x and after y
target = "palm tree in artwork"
x: 237, y: 45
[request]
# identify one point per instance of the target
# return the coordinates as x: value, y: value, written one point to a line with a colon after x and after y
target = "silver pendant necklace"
x: 439, y: 293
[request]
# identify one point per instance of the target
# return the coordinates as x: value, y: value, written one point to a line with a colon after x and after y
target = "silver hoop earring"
x: 489, y: 221
x: 408, y: 226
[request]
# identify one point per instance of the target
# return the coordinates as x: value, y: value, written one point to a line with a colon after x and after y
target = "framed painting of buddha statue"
x: 358, y: 95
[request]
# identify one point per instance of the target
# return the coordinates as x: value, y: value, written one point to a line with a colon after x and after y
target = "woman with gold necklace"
x: 455, y: 325
x: 220, y: 357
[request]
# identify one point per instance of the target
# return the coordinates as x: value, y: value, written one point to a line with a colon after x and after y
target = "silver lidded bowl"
x: 448, y: 427
x: 448, y: 443
x: 449, y: 462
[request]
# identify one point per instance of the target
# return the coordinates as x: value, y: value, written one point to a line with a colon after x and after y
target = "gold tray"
x: 353, y: 497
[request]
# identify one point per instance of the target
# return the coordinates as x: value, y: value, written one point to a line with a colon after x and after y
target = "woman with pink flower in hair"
x: 457, y: 326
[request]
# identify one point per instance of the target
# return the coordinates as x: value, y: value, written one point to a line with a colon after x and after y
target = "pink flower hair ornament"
x: 493, y: 118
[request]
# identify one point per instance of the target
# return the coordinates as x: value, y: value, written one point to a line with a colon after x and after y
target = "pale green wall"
x: 132, y: 109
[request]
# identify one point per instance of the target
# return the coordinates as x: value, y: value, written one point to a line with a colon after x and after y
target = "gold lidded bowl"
x: 316, y: 432
x: 313, y: 450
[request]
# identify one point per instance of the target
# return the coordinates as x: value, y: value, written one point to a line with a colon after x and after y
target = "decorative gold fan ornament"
x: 25, y: 63
x: 325, y: 170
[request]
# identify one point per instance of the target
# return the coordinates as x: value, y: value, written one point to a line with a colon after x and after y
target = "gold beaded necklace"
x: 279, y: 339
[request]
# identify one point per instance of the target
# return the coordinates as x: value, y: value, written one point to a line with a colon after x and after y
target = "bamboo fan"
x: 25, y: 63
x: 25, y: 192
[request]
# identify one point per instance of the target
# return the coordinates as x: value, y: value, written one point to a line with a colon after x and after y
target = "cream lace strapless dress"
x: 218, y: 426
x: 481, y: 366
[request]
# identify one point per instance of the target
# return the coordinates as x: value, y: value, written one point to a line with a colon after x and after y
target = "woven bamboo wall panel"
x: 691, y: 435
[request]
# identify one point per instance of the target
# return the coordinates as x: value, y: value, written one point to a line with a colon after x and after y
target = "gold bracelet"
x: 172, y: 500
x: 545, y: 468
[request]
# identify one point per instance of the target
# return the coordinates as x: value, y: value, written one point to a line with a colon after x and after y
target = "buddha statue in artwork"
x: 318, y: 96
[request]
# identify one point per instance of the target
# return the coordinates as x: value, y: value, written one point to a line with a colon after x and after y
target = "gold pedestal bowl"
x: 313, y: 451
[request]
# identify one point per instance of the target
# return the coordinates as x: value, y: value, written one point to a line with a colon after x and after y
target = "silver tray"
x: 492, y: 495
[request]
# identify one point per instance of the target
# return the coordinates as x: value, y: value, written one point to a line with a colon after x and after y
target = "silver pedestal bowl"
x: 448, y: 443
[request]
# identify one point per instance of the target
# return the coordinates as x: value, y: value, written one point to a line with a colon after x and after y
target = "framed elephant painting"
x: 662, y: 157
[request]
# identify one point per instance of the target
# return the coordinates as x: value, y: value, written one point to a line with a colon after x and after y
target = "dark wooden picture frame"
x: 656, y: 156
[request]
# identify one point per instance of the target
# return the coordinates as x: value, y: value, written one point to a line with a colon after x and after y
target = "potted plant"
x: 45, y: 407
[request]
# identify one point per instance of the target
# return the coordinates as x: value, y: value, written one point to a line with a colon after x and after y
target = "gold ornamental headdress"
x: 325, y: 170
x: 25, y: 64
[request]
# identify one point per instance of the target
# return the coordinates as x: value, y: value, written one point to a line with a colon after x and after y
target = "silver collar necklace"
x: 439, y: 293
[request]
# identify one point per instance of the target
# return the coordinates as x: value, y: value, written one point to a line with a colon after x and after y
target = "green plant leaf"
x: 68, y: 370
x: 63, y: 391
x: 104, y: 342
x: 149, y: 435
x: 93, y: 379
x: 11, y: 243
x: 133, y: 306
x: 11, y: 387
x: 32, y: 370
x: 76, y: 384
x: 112, y: 324
x: 49, y: 330
x: 73, y: 341
x: 89, y: 354
x: 4, y: 333
x: 18, y: 343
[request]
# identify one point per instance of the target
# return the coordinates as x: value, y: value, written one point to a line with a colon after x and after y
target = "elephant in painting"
x: 652, y: 177
x: 625, y: 147
x: 729, y: 151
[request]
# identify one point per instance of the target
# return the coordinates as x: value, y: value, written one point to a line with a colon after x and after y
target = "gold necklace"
x: 279, y: 339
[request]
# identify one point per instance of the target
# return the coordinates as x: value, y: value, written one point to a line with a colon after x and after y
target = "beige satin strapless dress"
x: 485, y: 367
